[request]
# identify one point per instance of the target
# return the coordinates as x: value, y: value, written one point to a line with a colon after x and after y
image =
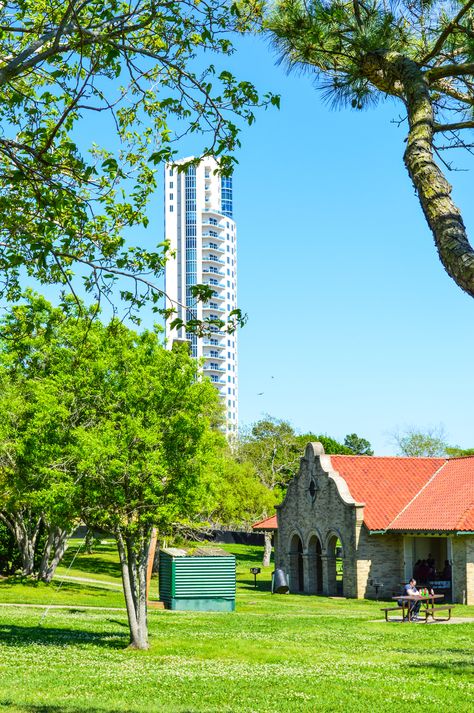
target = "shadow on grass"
x: 61, y: 709
x: 54, y: 708
x: 262, y: 585
x: 251, y: 556
x: 15, y: 636
x: 461, y: 667
x: 93, y: 564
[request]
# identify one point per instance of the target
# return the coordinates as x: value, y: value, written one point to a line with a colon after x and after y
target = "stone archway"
x: 296, y: 565
x: 315, y: 566
x: 335, y: 567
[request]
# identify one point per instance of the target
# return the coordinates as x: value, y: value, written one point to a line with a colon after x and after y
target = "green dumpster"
x: 199, y: 580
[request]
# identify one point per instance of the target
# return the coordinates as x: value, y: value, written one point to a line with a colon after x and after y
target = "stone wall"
x: 469, y: 570
x: 463, y: 569
x: 317, y: 510
x: 379, y: 560
x: 459, y: 570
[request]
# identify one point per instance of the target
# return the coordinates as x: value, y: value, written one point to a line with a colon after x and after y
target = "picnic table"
x: 430, y: 606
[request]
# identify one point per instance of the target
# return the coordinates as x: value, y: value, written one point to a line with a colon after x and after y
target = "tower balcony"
x: 213, y: 246
x: 213, y: 259
x: 217, y: 381
x: 211, y: 354
x: 210, y: 308
x: 217, y: 214
x: 213, y: 282
x: 211, y: 342
x: 210, y: 271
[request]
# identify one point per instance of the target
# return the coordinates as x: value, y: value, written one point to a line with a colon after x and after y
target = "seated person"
x: 410, y: 590
x: 423, y: 572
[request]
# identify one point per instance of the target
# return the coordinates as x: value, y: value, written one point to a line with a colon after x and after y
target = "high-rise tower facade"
x: 203, y: 236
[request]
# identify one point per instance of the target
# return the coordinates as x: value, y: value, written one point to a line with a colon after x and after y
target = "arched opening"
x: 296, y: 565
x: 315, y: 566
x: 335, y: 567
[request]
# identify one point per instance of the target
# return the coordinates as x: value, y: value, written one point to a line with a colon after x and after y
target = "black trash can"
x: 279, y: 582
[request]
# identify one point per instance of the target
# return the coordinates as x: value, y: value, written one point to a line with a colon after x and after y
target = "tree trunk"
x: 133, y: 552
x: 56, y: 545
x: 25, y: 530
x: 151, y: 561
x: 267, y: 549
x: 399, y: 76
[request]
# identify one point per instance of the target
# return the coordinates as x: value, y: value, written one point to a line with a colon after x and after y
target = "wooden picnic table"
x: 427, y: 599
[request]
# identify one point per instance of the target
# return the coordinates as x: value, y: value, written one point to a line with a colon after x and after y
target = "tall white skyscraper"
x: 203, y: 235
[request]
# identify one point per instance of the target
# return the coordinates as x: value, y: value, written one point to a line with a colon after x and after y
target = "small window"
x: 171, y: 172
x: 171, y: 197
x: 171, y: 184
x: 171, y: 209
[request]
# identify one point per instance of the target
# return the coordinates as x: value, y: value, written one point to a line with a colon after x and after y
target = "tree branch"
x: 446, y: 32
x: 453, y: 127
x: 449, y: 70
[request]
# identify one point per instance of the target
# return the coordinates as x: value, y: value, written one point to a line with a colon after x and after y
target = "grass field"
x: 274, y: 654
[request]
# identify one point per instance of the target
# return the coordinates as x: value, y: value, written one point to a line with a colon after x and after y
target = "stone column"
x: 310, y: 573
x: 469, y: 570
x: 328, y: 564
x: 459, y: 571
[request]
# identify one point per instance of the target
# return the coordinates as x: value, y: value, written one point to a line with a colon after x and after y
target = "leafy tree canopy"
x: 358, y: 446
x: 329, y: 444
x: 129, y: 70
x: 271, y: 446
x: 420, y: 53
x: 416, y: 443
x: 100, y: 423
x: 456, y: 452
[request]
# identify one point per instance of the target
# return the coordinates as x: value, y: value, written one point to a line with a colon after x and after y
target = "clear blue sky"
x: 350, y: 310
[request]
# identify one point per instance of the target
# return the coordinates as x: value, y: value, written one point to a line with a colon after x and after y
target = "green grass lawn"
x: 274, y: 654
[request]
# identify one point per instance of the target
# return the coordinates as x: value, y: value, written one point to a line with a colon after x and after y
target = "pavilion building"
x: 358, y: 526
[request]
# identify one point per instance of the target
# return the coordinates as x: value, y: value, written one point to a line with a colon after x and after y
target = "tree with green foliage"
x: 358, y: 446
x: 102, y: 424
x: 10, y: 559
x: 37, y: 484
x: 236, y: 495
x: 140, y: 454
x: 138, y: 72
x: 40, y: 363
x: 415, y: 443
x: 272, y: 448
x: 330, y: 445
x: 419, y: 53
x: 457, y: 452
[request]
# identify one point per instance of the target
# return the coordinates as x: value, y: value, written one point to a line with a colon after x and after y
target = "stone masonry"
x: 319, y: 522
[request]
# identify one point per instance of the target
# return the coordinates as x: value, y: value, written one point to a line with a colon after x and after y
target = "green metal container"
x: 203, y: 581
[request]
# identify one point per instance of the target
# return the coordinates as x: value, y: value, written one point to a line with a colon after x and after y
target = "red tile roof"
x: 407, y: 494
x: 445, y: 503
x: 385, y: 484
x: 270, y: 523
